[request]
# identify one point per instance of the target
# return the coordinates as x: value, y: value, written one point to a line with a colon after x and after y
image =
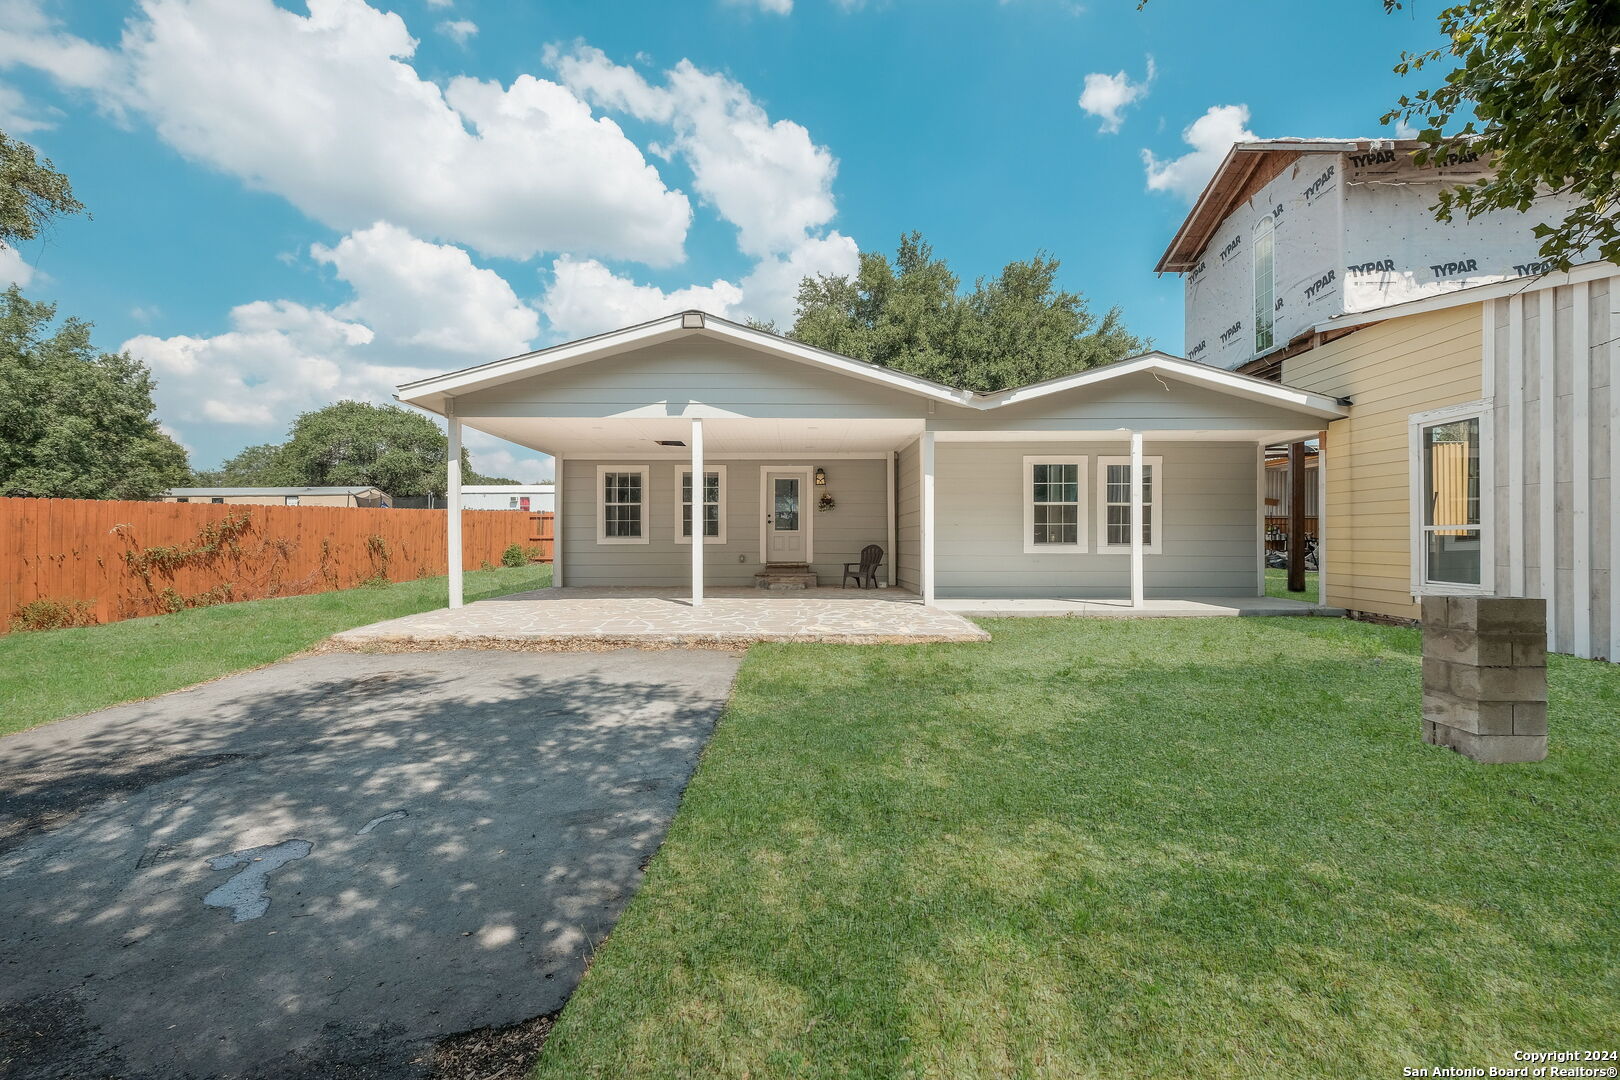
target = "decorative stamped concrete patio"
x: 1200, y: 608
x: 595, y: 617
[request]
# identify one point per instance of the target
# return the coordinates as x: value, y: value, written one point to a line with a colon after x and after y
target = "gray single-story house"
x: 808, y: 456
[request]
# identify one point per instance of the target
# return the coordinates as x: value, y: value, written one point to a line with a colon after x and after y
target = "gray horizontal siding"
x: 694, y: 376
x: 1141, y: 402
x: 859, y: 519
x: 908, y: 517
x: 1208, y: 507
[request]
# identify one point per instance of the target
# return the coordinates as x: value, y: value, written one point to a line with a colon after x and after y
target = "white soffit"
x: 640, y: 436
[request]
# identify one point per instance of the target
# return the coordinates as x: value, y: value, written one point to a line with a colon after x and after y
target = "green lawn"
x: 1277, y: 586
x: 1132, y: 848
x: 55, y: 673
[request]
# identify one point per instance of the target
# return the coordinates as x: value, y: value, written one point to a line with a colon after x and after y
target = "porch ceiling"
x: 640, y: 435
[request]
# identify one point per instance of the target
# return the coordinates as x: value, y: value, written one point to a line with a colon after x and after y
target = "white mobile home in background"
x: 535, y: 498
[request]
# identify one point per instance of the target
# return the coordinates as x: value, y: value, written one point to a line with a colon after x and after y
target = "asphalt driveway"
x: 326, y: 867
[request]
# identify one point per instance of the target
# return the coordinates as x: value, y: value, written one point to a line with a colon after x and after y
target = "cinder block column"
x: 1485, y: 676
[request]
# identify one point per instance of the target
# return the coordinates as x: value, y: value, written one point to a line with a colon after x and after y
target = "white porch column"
x: 892, y: 555
x: 926, y: 456
x: 452, y: 492
x: 1136, y: 520
x: 697, y: 511
x: 556, y: 521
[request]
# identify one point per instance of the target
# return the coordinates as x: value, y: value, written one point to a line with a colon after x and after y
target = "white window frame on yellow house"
x: 1417, y: 424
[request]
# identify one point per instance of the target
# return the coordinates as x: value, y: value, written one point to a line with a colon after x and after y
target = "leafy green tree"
x: 352, y: 443
x: 254, y: 466
x: 1015, y: 328
x: 1534, y: 85
x: 31, y: 192
x: 76, y: 423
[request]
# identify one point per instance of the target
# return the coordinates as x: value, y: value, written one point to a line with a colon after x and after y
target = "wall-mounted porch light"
x: 821, y: 476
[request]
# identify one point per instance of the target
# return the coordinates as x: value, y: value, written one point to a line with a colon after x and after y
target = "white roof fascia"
x: 587, y: 349
x: 421, y: 392
x: 1216, y: 378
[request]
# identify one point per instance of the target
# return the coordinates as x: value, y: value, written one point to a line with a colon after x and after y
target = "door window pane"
x: 786, y: 504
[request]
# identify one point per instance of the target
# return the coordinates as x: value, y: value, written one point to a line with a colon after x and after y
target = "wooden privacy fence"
x: 94, y: 560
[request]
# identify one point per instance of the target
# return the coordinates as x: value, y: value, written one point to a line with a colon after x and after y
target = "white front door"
x: 784, y: 517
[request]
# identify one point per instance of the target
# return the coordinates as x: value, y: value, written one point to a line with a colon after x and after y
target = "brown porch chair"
x: 865, y: 571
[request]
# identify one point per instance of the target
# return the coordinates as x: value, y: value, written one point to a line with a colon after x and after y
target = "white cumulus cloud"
x: 428, y: 296
x: 458, y: 30
x: 775, y: 7
x: 587, y: 298
x: 417, y: 309
x: 326, y: 111
x: 1210, y: 137
x: 767, y: 178
x: 1107, y: 96
x: 14, y: 269
x: 31, y: 37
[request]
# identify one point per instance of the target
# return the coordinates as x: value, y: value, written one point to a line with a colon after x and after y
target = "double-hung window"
x: 621, y: 516
x: 712, y: 502
x: 1114, y: 504
x: 1054, y: 504
x: 1451, y: 471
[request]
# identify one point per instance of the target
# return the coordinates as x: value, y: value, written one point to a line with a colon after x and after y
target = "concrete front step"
x: 785, y: 577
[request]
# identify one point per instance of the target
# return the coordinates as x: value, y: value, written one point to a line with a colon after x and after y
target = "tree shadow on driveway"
x: 475, y: 823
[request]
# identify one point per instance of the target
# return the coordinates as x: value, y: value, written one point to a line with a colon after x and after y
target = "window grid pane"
x: 1055, y: 495
x: 621, y: 505
x: 1117, y: 527
x: 711, y: 504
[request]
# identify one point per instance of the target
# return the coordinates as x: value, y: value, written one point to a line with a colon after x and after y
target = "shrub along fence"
x: 74, y: 562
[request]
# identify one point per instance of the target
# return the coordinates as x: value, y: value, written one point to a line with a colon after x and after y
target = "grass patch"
x: 1277, y: 586
x: 50, y: 674
x: 1121, y: 848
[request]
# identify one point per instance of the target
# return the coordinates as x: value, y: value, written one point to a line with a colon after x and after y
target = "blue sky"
x: 295, y: 203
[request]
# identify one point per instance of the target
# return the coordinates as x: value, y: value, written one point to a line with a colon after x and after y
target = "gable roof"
x: 1248, y: 167
x: 435, y: 394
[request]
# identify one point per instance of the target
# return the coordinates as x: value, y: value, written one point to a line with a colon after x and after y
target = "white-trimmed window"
x: 1054, y: 505
x: 1114, y: 504
x: 714, y: 505
x: 1265, y: 281
x: 621, y: 504
x: 1451, y: 489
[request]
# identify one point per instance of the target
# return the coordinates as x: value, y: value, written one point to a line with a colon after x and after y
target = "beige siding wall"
x: 1208, y: 516
x: 908, y: 517
x: 1388, y: 371
x: 858, y: 485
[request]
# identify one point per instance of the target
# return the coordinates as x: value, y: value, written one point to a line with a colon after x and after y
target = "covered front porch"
x: 573, y: 617
x: 695, y: 456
